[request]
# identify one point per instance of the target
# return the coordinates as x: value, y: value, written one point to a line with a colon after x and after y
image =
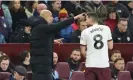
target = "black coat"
x: 114, y: 72
x: 71, y: 8
x: 75, y: 37
x: 121, y: 9
x: 124, y: 37
x: 16, y: 16
x: 41, y: 44
x: 130, y: 23
x: 21, y: 37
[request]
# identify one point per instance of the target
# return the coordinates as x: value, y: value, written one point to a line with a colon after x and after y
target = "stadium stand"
x: 13, y: 50
x: 63, y: 70
x: 77, y: 75
x: 4, y: 75
x: 124, y: 75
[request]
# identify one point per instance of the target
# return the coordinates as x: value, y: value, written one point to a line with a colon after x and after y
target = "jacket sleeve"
x: 56, y: 26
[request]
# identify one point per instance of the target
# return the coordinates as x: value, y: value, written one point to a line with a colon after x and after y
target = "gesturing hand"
x: 80, y: 16
x: 58, y: 41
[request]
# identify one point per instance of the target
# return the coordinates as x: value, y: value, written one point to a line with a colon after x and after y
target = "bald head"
x: 55, y: 58
x: 41, y: 7
x: 47, y: 15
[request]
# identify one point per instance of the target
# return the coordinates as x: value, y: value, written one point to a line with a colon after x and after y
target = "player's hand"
x: 58, y: 41
x: 80, y: 16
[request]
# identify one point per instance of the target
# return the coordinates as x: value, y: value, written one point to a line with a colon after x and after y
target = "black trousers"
x: 41, y: 72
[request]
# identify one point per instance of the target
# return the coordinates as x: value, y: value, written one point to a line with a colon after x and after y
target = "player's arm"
x: 83, y: 50
x: 110, y: 40
x: 83, y: 43
x: 50, y: 28
x: 110, y: 44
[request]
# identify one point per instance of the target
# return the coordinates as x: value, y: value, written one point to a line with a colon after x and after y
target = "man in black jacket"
x: 122, y: 34
x: 41, y: 44
x: 119, y: 65
x: 74, y: 60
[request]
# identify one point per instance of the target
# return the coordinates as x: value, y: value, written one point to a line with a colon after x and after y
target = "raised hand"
x: 58, y: 41
x: 80, y: 16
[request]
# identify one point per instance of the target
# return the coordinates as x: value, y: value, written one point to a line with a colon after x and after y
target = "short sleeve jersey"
x: 96, y: 39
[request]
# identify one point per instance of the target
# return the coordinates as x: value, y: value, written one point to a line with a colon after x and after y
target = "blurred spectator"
x: 2, y: 38
x: 120, y: 8
x: 25, y: 60
x: 122, y: 34
x: 40, y: 7
x: 71, y: 6
x: 31, y: 7
x: 112, y: 19
x: 5, y: 2
x: 23, y: 34
x: 119, y: 65
x: 19, y: 73
x: 55, y: 7
x: 130, y: 22
x: 129, y: 5
x: 75, y: 37
x: 2, y: 54
x: 99, y: 8
x: 43, y: 1
x: 17, y: 13
x: 4, y: 64
x: 6, y: 15
x: 55, y: 61
x: 74, y: 60
x: 4, y: 30
x: 65, y: 33
x: 115, y: 54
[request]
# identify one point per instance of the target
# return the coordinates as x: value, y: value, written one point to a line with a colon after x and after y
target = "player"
x: 97, y: 38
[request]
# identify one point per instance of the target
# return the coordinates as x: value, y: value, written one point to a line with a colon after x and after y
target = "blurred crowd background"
x: 117, y: 15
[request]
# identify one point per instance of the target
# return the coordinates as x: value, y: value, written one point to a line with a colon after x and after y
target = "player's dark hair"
x: 118, y: 59
x: 93, y: 16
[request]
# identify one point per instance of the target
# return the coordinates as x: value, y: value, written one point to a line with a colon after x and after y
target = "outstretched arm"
x: 60, y: 25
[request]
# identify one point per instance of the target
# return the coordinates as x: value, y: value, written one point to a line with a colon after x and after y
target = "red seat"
x: 124, y: 75
x: 63, y: 70
x: 82, y: 66
x: 4, y: 75
x: 129, y: 67
x: 77, y: 75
